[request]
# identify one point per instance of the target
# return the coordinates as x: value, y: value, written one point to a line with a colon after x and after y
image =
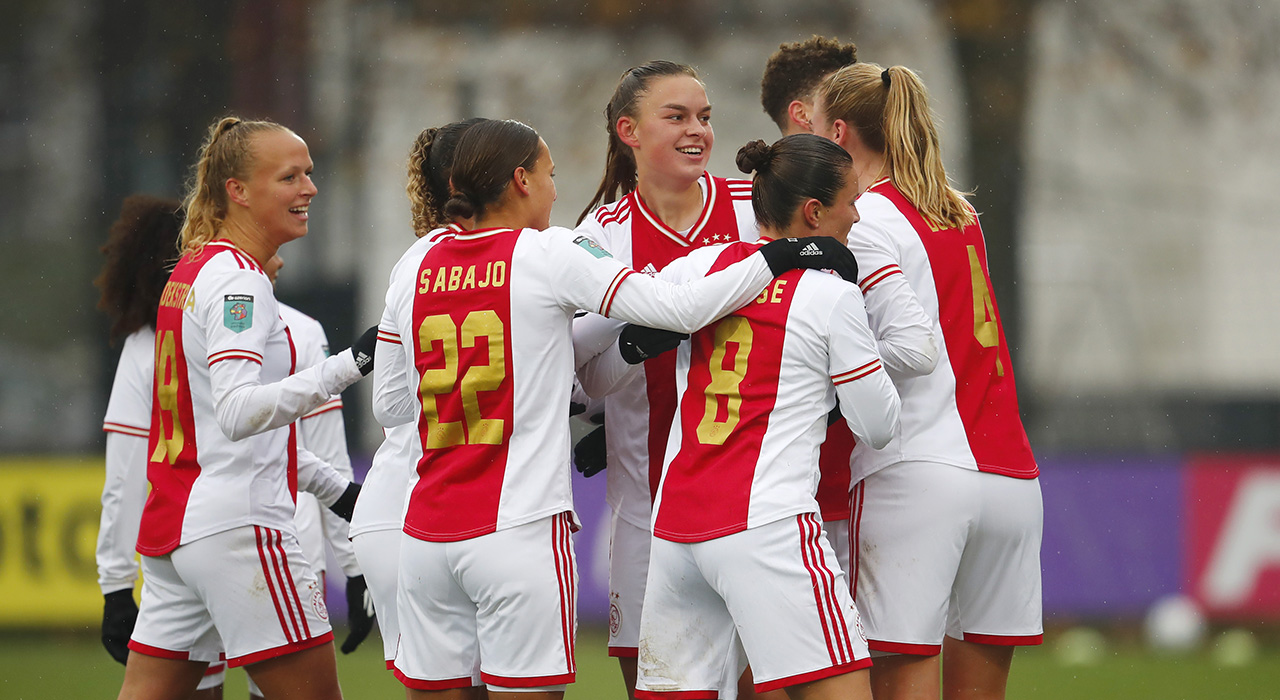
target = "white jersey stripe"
x: 858, y: 373
x: 234, y: 355
x: 126, y: 429
x: 606, y: 304
x: 871, y: 280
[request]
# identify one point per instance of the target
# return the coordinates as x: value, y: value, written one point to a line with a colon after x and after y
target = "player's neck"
x: 676, y: 203
x: 250, y: 239
x: 870, y: 168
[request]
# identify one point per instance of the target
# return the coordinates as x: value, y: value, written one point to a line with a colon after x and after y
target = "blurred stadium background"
x: 1123, y: 156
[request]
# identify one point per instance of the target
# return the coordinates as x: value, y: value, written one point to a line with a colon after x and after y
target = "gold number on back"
x: 444, y: 380
x: 986, y: 329
x: 725, y: 382
x: 171, y: 440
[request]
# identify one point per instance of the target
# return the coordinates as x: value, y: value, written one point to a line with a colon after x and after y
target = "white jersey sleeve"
x: 124, y: 490
x: 868, y: 400
x: 583, y: 269
x: 600, y: 367
x: 903, y: 330
x: 242, y: 404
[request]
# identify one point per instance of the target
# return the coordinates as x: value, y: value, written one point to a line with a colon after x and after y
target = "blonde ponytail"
x: 227, y: 153
x: 889, y: 110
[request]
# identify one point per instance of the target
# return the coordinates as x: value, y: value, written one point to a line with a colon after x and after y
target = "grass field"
x: 57, y: 666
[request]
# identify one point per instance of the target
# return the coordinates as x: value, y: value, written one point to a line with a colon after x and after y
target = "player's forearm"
x: 393, y: 402
x: 337, y: 532
x: 688, y: 307
x: 871, y: 407
x: 903, y: 331
x: 320, y: 479
x: 245, y: 407
x: 324, y: 435
x: 124, y: 493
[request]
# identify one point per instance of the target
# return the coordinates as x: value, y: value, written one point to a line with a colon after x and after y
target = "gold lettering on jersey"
x: 175, y: 295
x: 457, y: 277
x: 773, y: 293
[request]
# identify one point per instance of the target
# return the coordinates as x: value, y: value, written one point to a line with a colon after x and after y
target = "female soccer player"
x: 487, y: 574
x: 966, y: 580
x: 738, y: 553
x: 221, y: 564
x: 660, y: 139
x: 378, y: 520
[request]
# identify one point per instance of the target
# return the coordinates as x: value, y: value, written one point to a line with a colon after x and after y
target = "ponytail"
x: 889, y: 110
x: 430, y: 165
x: 620, y: 163
x: 227, y: 153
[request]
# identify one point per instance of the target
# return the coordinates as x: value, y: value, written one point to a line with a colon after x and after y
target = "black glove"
x: 639, y: 343
x: 589, y: 456
x: 834, y: 415
x: 362, y: 350
x: 359, y: 613
x: 346, y: 503
x: 812, y: 253
x: 119, y: 614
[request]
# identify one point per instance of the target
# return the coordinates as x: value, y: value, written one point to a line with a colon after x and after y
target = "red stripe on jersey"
x: 833, y: 470
x: 266, y: 556
x: 986, y: 397
x: 856, y: 499
x: 658, y: 245
x: 616, y: 213
x: 462, y: 351
x: 870, y: 281
x: 856, y: 373
x: 724, y: 412
x: 334, y: 405
x: 388, y: 337
x: 125, y: 429
x: 234, y: 355
x: 172, y: 456
x: 606, y: 304
x: 291, y: 472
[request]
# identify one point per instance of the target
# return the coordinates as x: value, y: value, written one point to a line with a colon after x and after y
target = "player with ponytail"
x: 965, y: 582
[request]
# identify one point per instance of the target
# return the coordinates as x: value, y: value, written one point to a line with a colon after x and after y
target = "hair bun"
x: 754, y: 156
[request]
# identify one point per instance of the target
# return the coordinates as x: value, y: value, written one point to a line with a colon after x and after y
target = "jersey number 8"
x: 725, y: 382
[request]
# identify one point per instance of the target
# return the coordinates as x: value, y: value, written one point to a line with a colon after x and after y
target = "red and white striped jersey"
x: 220, y: 445
x: 755, y: 389
x: 489, y: 360
x: 965, y: 412
x: 638, y: 414
x: 124, y: 491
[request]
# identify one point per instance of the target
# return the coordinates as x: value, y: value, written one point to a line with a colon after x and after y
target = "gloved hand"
x: 359, y: 613
x: 589, y: 456
x: 362, y: 350
x: 812, y: 253
x: 346, y: 503
x: 639, y: 343
x: 119, y: 613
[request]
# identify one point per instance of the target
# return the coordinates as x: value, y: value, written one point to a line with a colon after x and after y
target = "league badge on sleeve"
x: 591, y: 247
x: 237, y: 312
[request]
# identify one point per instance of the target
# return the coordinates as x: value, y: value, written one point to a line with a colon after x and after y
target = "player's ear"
x: 626, y: 130
x: 520, y: 180
x: 811, y: 210
x: 236, y: 192
x: 798, y: 112
x: 841, y: 133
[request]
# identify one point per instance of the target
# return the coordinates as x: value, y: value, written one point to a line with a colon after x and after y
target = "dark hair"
x: 430, y: 164
x: 619, y: 163
x: 791, y: 171
x: 139, y: 248
x: 794, y: 71
x: 486, y: 156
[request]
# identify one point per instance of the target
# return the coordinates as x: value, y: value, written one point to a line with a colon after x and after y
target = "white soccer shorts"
x: 969, y: 570
x: 776, y: 590
x: 248, y: 588
x: 378, y: 553
x: 628, y: 570
x: 499, y: 609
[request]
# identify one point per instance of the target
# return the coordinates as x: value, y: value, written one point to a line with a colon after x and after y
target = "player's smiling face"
x: 279, y: 189
x: 671, y: 135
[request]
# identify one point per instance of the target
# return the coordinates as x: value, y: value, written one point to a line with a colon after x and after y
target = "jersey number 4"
x: 443, y: 381
x: 986, y: 325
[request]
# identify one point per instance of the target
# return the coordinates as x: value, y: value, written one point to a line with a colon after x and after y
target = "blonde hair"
x: 430, y: 165
x: 227, y: 153
x: 889, y: 110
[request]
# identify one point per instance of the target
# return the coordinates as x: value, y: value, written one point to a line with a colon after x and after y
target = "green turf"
x: 54, y: 666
